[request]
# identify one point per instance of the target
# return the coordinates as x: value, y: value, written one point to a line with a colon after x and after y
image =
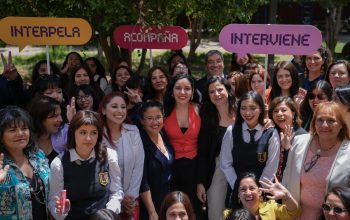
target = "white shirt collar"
x: 74, y: 156
x: 258, y: 127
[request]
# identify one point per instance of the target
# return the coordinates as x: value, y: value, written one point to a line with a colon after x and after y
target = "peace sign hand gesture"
x: 3, y: 171
x: 10, y: 71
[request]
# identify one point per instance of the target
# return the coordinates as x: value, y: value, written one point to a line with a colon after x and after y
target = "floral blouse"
x: 15, y: 202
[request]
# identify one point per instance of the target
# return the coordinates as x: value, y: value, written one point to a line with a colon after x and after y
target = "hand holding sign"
x: 10, y: 71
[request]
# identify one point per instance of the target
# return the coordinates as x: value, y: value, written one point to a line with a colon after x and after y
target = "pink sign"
x: 165, y: 37
x: 270, y: 39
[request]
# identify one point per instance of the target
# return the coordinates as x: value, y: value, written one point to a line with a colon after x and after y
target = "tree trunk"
x: 195, y: 37
x: 333, y: 27
x: 142, y: 62
x: 112, y: 56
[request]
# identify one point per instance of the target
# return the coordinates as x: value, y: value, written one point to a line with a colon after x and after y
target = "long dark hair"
x: 86, y: 117
x: 305, y: 109
x: 343, y: 193
x: 255, y: 97
x: 67, y: 56
x: 100, y: 70
x: 276, y: 89
x: 150, y: 92
x: 343, y: 94
x: 40, y: 108
x: 169, y: 100
x: 326, y: 57
x: 209, y: 113
x: 13, y: 116
x: 35, y: 72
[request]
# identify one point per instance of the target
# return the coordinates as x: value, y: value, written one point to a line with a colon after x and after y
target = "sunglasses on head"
x: 336, y: 210
x: 47, y: 77
x: 319, y: 96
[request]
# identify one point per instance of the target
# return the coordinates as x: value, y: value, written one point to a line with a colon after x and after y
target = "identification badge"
x: 262, y: 157
x: 103, y: 178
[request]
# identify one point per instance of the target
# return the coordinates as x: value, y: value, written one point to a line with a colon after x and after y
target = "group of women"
x: 123, y: 146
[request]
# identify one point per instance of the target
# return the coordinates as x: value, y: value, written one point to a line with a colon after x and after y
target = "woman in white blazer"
x: 320, y: 160
x: 125, y: 139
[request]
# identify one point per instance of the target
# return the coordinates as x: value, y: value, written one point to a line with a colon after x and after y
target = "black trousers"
x: 184, y: 179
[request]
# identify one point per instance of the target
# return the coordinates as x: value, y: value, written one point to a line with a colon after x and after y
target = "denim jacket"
x: 15, y: 198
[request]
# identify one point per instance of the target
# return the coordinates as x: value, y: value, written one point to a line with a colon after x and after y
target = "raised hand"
x: 299, y: 98
x: 286, y: 136
x: 133, y: 96
x: 10, y: 71
x: 276, y: 189
x: 71, y: 110
x: 3, y: 171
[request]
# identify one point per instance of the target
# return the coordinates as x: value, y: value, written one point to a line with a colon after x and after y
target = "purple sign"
x: 270, y: 39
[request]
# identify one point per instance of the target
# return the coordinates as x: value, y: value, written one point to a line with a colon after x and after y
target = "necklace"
x: 327, y: 149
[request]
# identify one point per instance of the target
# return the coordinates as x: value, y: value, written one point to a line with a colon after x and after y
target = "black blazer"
x: 208, y: 142
x: 155, y: 171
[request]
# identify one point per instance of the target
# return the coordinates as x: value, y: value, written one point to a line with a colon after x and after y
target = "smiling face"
x: 327, y: 124
x: 218, y: 94
x: 55, y: 93
x: 121, y: 76
x: 152, y: 120
x: 316, y: 97
x: 115, y: 110
x: 74, y: 60
x: 180, y: 69
x: 16, y: 137
x: 282, y: 115
x: 85, y: 139
x: 215, y: 65
x: 250, y: 112
x: 284, y: 79
x: 257, y: 84
x: 314, y: 62
x: 334, y: 201
x: 159, y: 80
x: 243, y: 60
x: 53, y: 121
x: 339, y: 75
x: 81, y: 77
x: 84, y: 101
x: 182, y: 91
x: 176, y: 212
x: 249, y: 194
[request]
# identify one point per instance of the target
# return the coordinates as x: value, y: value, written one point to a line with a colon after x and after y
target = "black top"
x: 51, y: 156
x: 157, y: 174
x: 37, y: 194
x: 209, y: 147
x: 87, y: 184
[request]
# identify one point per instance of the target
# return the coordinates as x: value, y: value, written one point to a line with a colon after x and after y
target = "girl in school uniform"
x: 248, y: 146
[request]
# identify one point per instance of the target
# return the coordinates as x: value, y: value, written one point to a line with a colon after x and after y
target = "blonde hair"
x: 340, y: 115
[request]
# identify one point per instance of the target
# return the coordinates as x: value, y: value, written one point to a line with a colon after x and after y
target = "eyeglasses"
x: 319, y: 96
x: 84, y: 97
x: 309, y: 165
x: 47, y: 77
x: 336, y: 210
x: 157, y: 119
x: 320, y: 121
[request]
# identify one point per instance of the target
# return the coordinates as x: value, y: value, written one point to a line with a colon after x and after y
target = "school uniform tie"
x: 252, y: 135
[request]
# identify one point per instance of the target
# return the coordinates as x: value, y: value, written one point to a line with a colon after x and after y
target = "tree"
x: 333, y: 20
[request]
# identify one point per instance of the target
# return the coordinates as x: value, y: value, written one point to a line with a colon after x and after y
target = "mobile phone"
x: 63, y: 196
